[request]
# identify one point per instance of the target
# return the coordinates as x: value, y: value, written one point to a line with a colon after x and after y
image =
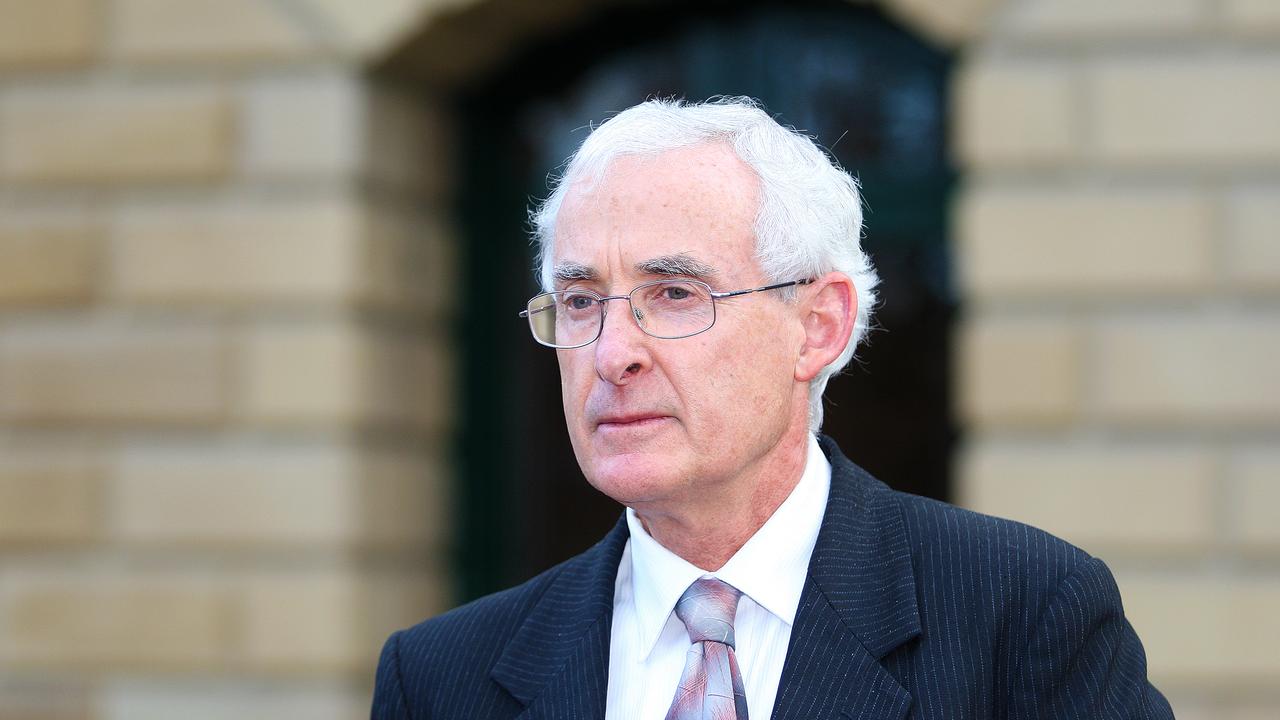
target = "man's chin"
x: 633, y: 477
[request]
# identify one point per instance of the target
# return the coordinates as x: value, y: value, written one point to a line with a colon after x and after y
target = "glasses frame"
x: 602, y: 299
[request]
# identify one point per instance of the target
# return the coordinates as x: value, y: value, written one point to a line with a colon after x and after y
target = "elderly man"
x: 704, y: 280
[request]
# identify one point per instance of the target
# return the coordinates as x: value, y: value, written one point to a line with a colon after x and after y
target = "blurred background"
x: 264, y: 397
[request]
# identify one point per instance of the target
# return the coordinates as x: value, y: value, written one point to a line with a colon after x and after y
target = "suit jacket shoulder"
x: 1013, y: 621
x: 1008, y: 566
x: 473, y: 660
x: 459, y: 647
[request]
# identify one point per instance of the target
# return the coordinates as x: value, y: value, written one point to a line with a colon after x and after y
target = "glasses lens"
x: 565, y: 319
x: 674, y: 308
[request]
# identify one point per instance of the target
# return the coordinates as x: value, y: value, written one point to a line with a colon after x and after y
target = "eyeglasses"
x: 667, y: 309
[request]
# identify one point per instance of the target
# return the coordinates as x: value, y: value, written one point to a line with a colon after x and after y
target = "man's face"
x: 657, y: 422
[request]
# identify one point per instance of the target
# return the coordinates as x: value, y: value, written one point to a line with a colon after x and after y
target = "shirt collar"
x: 770, y: 567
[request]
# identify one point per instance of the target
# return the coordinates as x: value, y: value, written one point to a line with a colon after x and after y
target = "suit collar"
x: 557, y: 663
x: 859, y: 603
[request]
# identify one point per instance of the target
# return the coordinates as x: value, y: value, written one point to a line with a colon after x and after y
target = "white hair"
x: 810, y: 216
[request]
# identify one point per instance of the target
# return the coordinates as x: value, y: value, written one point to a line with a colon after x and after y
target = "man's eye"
x: 677, y: 293
x: 579, y: 302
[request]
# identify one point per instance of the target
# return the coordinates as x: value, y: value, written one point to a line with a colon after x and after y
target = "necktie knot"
x: 707, y: 609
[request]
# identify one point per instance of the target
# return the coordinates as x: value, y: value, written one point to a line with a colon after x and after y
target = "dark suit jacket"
x: 912, y: 608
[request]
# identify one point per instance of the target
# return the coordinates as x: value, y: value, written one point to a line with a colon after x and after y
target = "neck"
x: 707, y: 533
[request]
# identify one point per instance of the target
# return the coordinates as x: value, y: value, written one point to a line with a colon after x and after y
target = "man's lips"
x: 630, y: 420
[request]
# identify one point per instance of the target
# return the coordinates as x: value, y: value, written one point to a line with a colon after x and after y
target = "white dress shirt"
x: 649, y: 643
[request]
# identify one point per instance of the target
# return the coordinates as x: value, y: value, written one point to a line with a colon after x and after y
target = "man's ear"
x: 828, y: 311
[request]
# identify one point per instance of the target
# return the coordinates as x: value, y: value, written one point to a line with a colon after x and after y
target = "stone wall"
x: 1118, y: 235
x: 225, y: 379
x: 225, y: 390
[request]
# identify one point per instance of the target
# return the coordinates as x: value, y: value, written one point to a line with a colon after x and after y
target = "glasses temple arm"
x: 736, y: 293
x: 527, y: 313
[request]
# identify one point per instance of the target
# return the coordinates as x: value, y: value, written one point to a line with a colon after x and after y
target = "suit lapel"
x: 858, y: 604
x: 557, y: 663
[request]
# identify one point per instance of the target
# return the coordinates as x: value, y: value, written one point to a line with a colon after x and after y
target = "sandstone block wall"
x: 1117, y: 240
x: 226, y: 386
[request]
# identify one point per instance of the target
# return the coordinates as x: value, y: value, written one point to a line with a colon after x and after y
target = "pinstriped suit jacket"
x: 912, y: 609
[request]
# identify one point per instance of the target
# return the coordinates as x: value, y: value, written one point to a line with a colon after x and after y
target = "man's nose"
x: 622, y: 350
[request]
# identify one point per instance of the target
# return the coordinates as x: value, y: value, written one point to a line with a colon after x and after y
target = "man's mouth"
x: 630, y: 420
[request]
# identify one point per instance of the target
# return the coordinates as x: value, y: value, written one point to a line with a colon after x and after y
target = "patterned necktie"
x: 711, y: 686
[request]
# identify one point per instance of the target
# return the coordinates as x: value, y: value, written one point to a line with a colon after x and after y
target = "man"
x: 704, y: 280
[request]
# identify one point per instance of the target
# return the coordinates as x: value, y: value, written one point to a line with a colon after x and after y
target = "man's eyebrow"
x: 677, y: 264
x: 570, y: 271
